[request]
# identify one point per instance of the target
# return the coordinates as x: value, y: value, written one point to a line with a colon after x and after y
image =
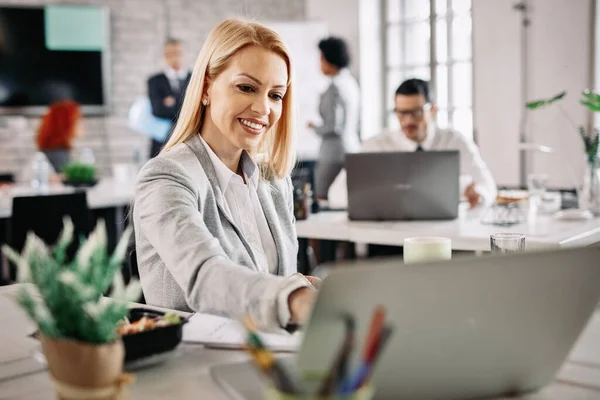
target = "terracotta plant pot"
x: 83, y: 370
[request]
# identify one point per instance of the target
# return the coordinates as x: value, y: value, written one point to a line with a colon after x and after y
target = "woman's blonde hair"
x: 276, y: 153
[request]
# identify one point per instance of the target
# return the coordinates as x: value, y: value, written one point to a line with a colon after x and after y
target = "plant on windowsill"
x: 589, y: 195
x: 78, y: 328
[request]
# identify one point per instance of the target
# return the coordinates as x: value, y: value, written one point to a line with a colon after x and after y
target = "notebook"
x: 220, y: 332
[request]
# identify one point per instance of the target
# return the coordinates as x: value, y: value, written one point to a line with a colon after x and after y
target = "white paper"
x: 215, y: 331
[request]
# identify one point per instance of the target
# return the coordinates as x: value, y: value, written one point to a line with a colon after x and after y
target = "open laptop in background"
x: 403, y: 185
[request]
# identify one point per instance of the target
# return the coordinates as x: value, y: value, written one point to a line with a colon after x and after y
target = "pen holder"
x: 364, y: 393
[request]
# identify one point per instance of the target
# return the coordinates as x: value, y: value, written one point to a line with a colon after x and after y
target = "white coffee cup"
x: 423, y: 249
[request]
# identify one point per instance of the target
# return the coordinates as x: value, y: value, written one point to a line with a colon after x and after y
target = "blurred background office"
x: 483, y: 59
x: 471, y: 52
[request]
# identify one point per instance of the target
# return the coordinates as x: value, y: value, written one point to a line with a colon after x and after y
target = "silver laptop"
x: 403, y: 186
x: 464, y: 329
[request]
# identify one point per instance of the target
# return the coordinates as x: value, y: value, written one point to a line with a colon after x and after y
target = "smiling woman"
x: 213, y: 213
x: 228, y: 73
x: 244, y: 102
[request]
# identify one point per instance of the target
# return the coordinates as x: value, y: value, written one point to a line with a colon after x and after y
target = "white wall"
x: 371, y: 68
x: 567, y: 66
x: 560, y: 58
x: 496, y: 94
x: 597, y: 56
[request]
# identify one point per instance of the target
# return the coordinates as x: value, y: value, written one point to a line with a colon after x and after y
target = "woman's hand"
x: 316, y: 282
x: 300, y: 302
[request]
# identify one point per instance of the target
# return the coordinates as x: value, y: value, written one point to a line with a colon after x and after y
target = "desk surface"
x: 109, y: 192
x: 466, y: 232
x: 187, y: 373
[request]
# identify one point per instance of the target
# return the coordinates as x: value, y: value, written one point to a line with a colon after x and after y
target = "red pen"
x: 375, y: 328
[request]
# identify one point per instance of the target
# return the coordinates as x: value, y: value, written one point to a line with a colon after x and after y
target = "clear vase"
x: 589, y: 198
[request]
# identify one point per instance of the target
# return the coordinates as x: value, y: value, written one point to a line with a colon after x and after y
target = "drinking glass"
x: 507, y: 242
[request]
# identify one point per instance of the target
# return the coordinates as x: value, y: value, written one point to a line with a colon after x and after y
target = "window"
x: 431, y: 40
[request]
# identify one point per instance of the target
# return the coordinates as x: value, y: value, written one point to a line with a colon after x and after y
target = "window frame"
x: 433, y: 65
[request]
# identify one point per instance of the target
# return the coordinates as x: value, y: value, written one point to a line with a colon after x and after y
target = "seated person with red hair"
x: 60, y: 125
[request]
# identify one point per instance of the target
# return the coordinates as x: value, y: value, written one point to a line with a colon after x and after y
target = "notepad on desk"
x: 220, y: 332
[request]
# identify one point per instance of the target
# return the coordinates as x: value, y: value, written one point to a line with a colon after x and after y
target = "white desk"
x: 107, y: 193
x: 466, y: 232
x: 187, y: 374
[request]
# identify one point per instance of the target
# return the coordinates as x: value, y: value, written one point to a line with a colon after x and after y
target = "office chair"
x: 132, y: 263
x: 133, y: 267
x: 7, y: 178
x: 43, y: 215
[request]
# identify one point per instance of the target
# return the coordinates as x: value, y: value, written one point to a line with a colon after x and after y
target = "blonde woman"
x: 213, y: 213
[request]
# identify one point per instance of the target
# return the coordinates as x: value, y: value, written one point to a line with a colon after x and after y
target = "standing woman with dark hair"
x: 339, y: 108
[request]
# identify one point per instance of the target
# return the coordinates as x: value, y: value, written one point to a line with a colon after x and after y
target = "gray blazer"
x: 191, y: 256
x: 339, y: 107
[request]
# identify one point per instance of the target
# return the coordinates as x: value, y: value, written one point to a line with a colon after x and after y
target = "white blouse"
x: 244, y: 208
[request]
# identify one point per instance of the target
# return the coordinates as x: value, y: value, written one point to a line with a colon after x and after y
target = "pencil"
x: 267, y: 362
x: 338, y: 368
x: 343, y: 367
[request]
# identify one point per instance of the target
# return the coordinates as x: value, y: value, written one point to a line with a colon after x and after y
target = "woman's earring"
x: 205, y: 102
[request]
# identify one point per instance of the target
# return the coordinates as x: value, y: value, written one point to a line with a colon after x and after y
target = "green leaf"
x: 64, y: 240
x: 95, y: 242
x: 23, y: 270
x: 536, y: 104
x: 558, y: 97
x: 532, y: 105
x: 591, y: 96
x: 38, y: 312
x: 591, y: 100
x: 595, y: 107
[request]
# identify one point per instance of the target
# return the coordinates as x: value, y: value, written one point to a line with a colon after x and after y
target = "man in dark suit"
x: 167, y: 88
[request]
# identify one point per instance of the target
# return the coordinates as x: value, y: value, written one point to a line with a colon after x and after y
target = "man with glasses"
x: 416, y: 114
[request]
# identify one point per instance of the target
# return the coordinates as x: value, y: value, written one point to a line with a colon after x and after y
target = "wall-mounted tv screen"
x: 53, y: 53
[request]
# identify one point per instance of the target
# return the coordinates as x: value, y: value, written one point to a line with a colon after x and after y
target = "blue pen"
x: 352, y: 383
x: 364, y: 372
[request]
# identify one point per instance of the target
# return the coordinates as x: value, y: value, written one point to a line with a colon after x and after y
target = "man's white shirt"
x: 471, y: 163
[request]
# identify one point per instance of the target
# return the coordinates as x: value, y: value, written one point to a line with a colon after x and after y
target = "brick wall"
x: 138, y: 29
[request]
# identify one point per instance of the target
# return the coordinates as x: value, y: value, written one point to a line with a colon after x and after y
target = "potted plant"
x: 79, y: 174
x: 78, y: 328
x: 589, y: 195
